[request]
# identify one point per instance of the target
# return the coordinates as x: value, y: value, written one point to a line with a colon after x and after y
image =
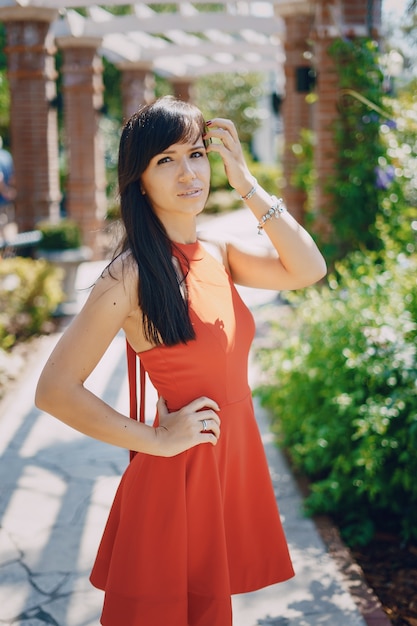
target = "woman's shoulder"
x: 219, y: 245
x: 120, y: 275
x: 121, y: 268
x: 216, y: 246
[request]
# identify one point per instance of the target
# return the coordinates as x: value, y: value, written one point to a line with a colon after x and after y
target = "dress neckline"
x: 193, y: 251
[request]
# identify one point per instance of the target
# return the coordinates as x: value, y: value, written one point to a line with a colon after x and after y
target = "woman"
x: 195, y: 518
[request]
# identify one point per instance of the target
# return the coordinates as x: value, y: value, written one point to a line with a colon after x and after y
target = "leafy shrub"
x: 343, y: 394
x: 375, y: 169
x: 62, y: 235
x: 113, y: 212
x: 29, y: 294
x: 305, y: 175
x: 359, y: 143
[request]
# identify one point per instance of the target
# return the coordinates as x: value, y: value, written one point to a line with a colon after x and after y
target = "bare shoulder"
x: 216, y: 246
x: 119, y: 279
x: 230, y: 250
x: 103, y: 315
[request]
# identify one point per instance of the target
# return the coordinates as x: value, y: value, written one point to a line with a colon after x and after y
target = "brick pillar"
x: 138, y: 87
x: 333, y: 19
x: 183, y: 88
x: 325, y: 116
x: 297, y: 113
x: 363, y: 13
x: 83, y: 99
x: 33, y: 118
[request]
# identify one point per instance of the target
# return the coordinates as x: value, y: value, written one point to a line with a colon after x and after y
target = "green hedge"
x: 342, y: 389
x: 30, y: 291
x: 62, y: 235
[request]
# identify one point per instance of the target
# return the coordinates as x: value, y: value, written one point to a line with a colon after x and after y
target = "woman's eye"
x: 197, y: 154
x: 163, y: 160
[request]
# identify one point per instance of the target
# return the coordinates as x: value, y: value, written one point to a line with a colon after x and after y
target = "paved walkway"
x: 57, y: 485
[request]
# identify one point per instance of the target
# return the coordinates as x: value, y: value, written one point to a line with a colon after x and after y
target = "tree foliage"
x: 235, y: 96
x: 368, y: 185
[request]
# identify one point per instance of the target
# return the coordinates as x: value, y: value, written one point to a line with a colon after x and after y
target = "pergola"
x: 288, y: 38
x: 187, y: 43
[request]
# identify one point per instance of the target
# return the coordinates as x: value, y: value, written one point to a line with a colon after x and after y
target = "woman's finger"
x: 223, y: 136
x: 208, y: 426
x: 223, y: 124
x: 202, y: 403
x: 162, y: 408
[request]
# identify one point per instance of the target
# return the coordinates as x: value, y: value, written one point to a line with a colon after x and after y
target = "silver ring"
x: 204, y: 424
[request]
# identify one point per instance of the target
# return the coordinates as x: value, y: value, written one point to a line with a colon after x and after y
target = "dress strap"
x: 132, y: 358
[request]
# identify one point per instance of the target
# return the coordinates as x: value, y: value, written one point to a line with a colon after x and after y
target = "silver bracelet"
x: 252, y: 191
x: 278, y: 207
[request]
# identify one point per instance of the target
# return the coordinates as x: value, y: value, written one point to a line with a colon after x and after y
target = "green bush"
x: 29, y: 294
x: 359, y: 144
x: 342, y: 389
x: 375, y: 169
x: 62, y: 235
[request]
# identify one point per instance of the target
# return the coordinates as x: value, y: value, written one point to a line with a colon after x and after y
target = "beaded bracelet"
x: 278, y: 207
x: 252, y: 191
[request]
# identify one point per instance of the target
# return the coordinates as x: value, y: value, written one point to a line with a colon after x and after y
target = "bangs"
x: 167, y: 122
x: 182, y: 123
x: 192, y: 129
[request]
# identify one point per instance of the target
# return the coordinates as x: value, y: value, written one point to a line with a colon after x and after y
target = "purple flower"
x: 384, y: 176
x: 391, y: 124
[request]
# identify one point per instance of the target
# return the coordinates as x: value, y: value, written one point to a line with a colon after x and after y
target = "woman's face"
x: 177, y: 181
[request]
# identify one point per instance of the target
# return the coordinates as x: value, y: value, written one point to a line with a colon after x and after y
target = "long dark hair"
x: 149, y: 132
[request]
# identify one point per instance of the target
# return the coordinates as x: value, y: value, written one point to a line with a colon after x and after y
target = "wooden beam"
x: 164, y: 22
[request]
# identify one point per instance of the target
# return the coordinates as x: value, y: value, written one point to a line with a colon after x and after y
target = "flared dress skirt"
x: 185, y: 533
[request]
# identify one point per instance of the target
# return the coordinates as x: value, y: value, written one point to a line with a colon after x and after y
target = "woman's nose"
x: 187, y: 170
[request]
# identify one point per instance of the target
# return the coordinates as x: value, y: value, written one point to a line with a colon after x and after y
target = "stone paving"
x: 56, y: 487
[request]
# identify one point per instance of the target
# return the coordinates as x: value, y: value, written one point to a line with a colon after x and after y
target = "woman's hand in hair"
x: 226, y: 143
x: 195, y: 423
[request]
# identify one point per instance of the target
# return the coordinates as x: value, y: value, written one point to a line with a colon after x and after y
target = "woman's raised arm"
x: 296, y: 261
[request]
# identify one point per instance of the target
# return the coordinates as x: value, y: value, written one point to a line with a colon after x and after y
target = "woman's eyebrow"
x: 173, y: 151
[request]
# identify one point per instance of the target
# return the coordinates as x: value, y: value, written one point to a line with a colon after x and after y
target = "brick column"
x: 297, y: 113
x: 138, y: 87
x: 349, y: 18
x: 33, y: 118
x: 326, y: 114
x: 183, y: 88
x: 83, y: 99
x: 363, y: 13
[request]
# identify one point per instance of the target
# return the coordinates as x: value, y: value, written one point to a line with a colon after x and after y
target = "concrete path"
x: 57, y: 485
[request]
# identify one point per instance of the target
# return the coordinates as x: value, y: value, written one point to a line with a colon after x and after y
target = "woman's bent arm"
x: 61, y: 391
x: 296, y: 261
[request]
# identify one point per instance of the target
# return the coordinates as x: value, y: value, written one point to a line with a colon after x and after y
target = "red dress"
x: 186, y: 532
